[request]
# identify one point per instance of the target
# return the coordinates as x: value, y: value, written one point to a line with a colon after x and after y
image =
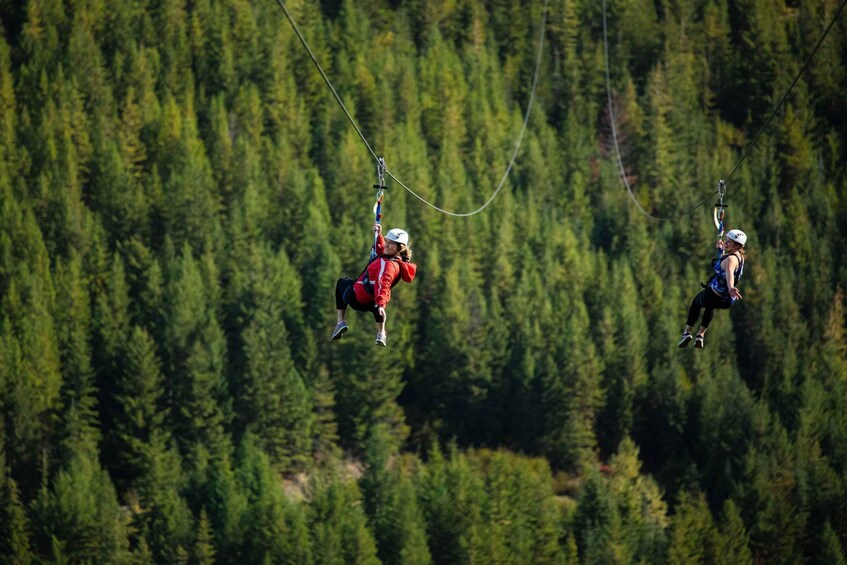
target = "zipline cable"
x: 326, y: 78
x: 784, y: 96
x: 746, y: 152
x: 520, y: 136
x: 378, y: 160
x: 613, y: 121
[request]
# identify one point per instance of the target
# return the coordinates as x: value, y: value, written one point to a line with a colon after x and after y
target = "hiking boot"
x: 339, y: 330
x: 698, y: 342
x: 685, y: 340
x: 380, y: 338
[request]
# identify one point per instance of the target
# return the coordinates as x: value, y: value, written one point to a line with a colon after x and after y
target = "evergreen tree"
x: 195, y: 366
x: 732, y: 543
x: 8, y: 117
x: 451, y: 498
x: 643, y: 511
x: 31, y: 361
x: 163, y: 516
x: 391, y: 505
x: 338, y: 524
x: 572, y: 441
x: 15, y: 544
x: 693, y: 532
x: 596, y: 523
x: 81, y: 430
x: 830, y: 549
x: 140, y: 419
x: 204, y: 549
x: 273, y: 398
x: 111, y: 328
x: 80, y: 516
x: 276, y: 528
x: 625, y: 366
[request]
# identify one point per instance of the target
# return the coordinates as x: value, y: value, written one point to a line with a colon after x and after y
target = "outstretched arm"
x: 732, y: 264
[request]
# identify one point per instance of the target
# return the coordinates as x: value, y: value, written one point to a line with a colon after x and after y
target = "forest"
x: 180, y: 190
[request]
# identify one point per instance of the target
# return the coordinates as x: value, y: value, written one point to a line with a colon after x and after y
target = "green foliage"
x: 278, y: 529
x: 162, y: 514
x: 733, y: 543
x: 273, y: 397
x: 692, y: 532
x: 196, y: 358
x: 337, y: 522
x: 79, y: 516
x: 204, y: 549
x: 15, y: 537
x: 79, y: 395
x: 391, y: 505
x: 179, y: 192
x: 139, y: 421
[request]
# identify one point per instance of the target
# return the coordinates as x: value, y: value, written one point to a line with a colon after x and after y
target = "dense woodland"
x: 179, y: 191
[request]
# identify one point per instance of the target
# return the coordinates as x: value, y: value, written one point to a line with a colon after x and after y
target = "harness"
x: 718, y: 280
x: 364, y: 277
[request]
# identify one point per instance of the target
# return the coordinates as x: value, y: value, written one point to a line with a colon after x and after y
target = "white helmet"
x: 737, y: 236
x: 398, y: 235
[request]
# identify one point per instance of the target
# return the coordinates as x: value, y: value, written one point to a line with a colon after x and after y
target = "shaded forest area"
x: 179, y: 191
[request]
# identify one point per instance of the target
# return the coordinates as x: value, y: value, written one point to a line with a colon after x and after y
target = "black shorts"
x: 345, y: 296
x: 708, y: 299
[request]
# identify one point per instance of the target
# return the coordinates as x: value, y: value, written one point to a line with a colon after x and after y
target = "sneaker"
x: 380, y: 338
x: 698, y: 342
x: 339, y: 330
x: 686, y: 339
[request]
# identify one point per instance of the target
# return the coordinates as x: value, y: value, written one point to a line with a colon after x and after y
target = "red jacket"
x: 382, y: 273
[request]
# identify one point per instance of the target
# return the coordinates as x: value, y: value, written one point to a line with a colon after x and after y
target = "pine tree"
x: 80, y: 513
x: 204, y: 549
x: 570, y: 439
x: 80, y: 427
x: 830, y: 548
x: 139, y: 414
x: 276, y: 528
x: 692, y: 532
x: 30, y: 365
x: 15, y: 544
x: 163, y: 517
x: 625, y: 364
x: 111, y: 331
x: 726, y: 424
x: 191, y: 207
x: 390, y: 504
x: 325, y: 425
x: 273, y: 400
x: 520, y: 519
x: 195, y: 362
x: 8, y: 117
x: 643, y: 511
x: 596, y: 523
x: 451, y: 498
x: 777, y: 532
x: 732, y: 544
x: 338, y: 523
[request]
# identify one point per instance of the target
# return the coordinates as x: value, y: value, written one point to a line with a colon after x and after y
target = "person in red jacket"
x: 372, y: 290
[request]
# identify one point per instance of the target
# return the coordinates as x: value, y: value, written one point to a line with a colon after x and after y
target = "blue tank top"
x: 719, y: 280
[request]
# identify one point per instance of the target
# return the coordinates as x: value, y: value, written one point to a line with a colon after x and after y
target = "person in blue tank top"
x: 721, y: 291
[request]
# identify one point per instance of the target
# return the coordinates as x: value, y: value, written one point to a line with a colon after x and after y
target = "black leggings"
x: 710, y: 301
x: 344, y: 297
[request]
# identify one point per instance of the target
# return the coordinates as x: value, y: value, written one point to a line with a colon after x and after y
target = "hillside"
x: 180, y: 190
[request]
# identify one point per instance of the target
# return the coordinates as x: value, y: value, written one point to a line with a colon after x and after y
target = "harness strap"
x: 365, y: 279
